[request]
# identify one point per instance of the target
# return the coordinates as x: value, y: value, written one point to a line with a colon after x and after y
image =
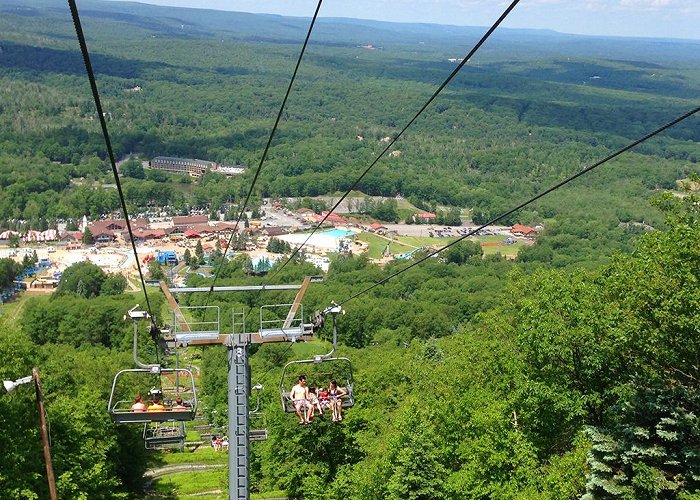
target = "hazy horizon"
x: 677, y: 19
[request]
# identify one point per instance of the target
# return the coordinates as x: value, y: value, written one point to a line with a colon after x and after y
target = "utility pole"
x: 44, y: 435
x: 10, y: 386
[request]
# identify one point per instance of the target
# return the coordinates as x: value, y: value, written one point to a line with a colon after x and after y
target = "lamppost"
x: 9, y: 387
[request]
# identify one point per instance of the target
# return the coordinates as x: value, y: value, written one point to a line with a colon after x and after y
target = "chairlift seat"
x: 162, y: 440
x: 120, y: 409
x: 121, y: 416
x: 258, y: 424
x: 162, y: 436
x: 348, y: 400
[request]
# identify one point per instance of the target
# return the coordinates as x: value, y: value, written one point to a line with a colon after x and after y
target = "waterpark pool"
x: 337, y: 233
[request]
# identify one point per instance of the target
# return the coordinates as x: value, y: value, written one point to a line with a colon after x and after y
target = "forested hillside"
x: 530, y: 109
x: 472, y: 381
x: 571, y: 371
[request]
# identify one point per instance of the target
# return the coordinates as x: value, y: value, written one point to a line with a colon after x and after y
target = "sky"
x: 639, y: 18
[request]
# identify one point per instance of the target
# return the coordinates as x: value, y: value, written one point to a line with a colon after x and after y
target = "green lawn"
x: 204, y: 455
x: 404, y: 204
x: 191, y: 484
x: 509, y: 251
x: 9, y: 311
x: 185, y: 483
x: 407, y: 243
x: 377, y: 245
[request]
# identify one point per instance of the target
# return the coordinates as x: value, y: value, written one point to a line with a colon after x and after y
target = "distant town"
x: 264, y: 240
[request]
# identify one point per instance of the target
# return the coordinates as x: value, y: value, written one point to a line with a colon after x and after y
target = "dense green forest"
x: 572, y: 371
x: 473, y: 380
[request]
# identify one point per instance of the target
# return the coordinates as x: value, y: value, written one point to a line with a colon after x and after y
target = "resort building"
x: 195, y: 168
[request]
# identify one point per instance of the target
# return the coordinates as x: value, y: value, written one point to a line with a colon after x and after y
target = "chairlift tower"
x: 208, y: 332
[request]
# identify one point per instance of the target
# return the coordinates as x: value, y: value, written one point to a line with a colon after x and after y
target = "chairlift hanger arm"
x: 136, y: 316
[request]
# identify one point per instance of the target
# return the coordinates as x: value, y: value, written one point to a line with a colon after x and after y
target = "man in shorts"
x: 299, y: 395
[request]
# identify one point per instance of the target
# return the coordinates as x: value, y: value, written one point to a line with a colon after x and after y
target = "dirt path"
x: 205, y: 493
x: 158, y: 472
x: 176, y: 469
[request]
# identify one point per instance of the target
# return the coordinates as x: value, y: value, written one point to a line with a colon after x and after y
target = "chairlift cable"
x: 103, y: 124
x: 464, y: 61
x: 566, y: 181
x: 265, y: 151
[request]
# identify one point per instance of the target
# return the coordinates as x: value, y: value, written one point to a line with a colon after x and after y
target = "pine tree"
x: 199, y: 252
x: 87, y: 236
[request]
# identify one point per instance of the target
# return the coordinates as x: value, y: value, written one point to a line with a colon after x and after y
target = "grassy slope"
x: 377, y: 245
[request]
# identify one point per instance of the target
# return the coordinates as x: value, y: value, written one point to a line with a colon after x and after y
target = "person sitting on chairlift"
x: 313, y: 404
x: 299, y: 395
x: 324, y: 400
x: 336, y: 394
x: 179, y: 405
x: 156, y: 405
x: 138, y: 405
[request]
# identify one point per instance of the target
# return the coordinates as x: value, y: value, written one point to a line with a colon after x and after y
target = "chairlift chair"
x: 342, y: 372
x: 161, y: 436
x: 259, y: 433
x: 257, y: 419
x: 168, y: 382
x: 119, y: 407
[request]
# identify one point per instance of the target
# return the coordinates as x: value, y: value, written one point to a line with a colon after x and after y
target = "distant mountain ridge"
x: 182, y: 22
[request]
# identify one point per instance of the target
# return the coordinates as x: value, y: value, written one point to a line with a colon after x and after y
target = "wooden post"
x: 44, y: 435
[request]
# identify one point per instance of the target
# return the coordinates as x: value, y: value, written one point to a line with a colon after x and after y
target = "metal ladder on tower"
x: 238, y: 426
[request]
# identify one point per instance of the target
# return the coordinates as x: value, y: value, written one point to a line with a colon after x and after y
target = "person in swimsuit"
x: 313, y: 404
x: 324, y: 400
x: 299, y: 395
x: 336, y: 394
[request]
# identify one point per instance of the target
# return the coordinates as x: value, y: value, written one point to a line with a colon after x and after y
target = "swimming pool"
x: 337, y: 233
